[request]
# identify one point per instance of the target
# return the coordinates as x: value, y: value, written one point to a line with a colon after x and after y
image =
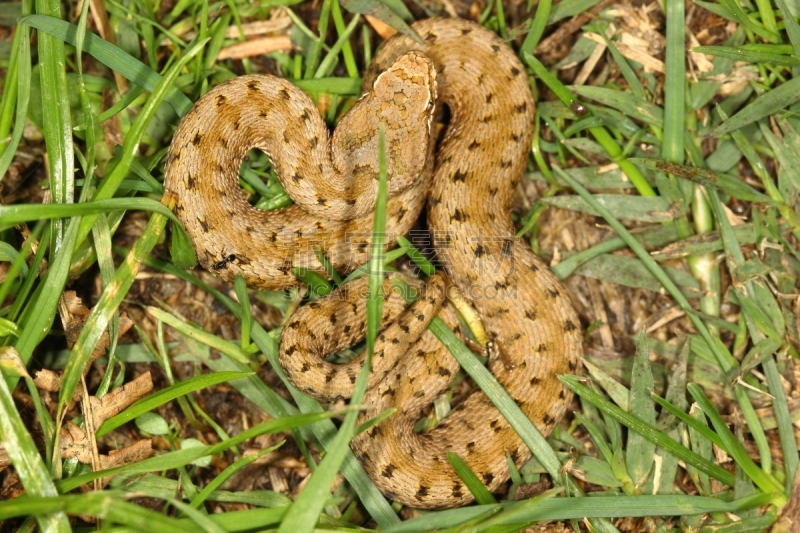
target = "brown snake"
x: 332, y: 179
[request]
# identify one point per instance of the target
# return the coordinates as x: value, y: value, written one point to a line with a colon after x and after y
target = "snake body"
x: 469, y: 184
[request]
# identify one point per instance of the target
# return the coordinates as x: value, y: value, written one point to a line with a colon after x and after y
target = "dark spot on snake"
x: 514, y: 455
x: 350, y: 202
x: 293, y: 325
x: 222, y: 264
x: 273, y: 237
x: 465, y: 31
x: 395, y: 341
x: 505, y: 164
x: 530, y: 315
x: 285, y: 93
x: 460, y: 176
x: 387, y: 471
x: 500, y: 285
x: 346, y: 329
x: 328, y: 378
x: 431, y: 37
x: 326, y: 336
x: 420, y: 353
x: 286, y: 267
x: 318, y: 225
x: 419, y: 394
x: 352, y: 379
x: 459, y: 216
x: 332, y: 318
x: 253, y: 85
x: 297, y: 177
x: 515, y: 137
x: 262, y: 113
x: 305, y: 368
x: 481, y: 77
x: 548, y: 420
x: 508, y: 248
x: 236, y: 124
x: 290, y: 350
x: 443, y: 371
x: 220, y: 100
x: 495, y: 48
x: 435, y: 201
x: 190, y: 182
x: 521, y: 108
x: 314, y: 141
x: 573, y: 365
x: 203, y: 224
x: 401, y: 212
x: 541, y: 348
x: 534, y: 268
x: 422, y: 492
x: 480, y: 251
x: 553, y: 293
x: 473, y: 146
x: 562, y: 394
x: 420, y: 317
x: 362, y: 247
x: 286, y: 138
x: 489, y: 98
x: 298, y: 232
x: 321, y: 201
x: 516, y: 337
x: 197, y: 139
x: 569, y: 326
x: 470, y: 447
x: 305, y: 115
x: 514, y: 72
x: 363, y: 457
x: 488, y: 477
x: 487, y: 119
x: 223, y: 141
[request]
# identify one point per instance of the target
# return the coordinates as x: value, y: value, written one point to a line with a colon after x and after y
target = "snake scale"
x: 468, y: 184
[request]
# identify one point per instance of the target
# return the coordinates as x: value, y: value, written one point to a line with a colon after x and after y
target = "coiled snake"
x: 468, y: 184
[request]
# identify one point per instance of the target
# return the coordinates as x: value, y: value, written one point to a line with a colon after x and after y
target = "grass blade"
x: 764, y: 481
x: 649, y: 432
x: 303, y: 514
x: 166, y: 395
x: 111, y: 56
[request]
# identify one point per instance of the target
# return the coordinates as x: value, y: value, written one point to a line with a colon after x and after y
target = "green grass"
x: 636, y: 448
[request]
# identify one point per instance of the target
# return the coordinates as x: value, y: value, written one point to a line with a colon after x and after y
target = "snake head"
x: 401, y: 101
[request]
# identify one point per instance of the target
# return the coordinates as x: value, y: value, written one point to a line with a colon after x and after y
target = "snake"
x: 463, y: 179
